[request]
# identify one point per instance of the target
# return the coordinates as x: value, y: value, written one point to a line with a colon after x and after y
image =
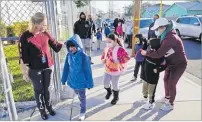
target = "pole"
x: 136, y: 22
x: 160, y: 12
x: 7, y: 86
x: 89, y: 7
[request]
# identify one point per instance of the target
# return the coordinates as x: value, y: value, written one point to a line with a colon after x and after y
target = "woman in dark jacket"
x: 35, y: 53
x: 173, y: 50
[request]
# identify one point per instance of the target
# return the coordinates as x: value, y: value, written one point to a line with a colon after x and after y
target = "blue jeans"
x: 82, y: 97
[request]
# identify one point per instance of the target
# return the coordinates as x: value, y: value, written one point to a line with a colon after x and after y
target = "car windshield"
x: 145, y: 23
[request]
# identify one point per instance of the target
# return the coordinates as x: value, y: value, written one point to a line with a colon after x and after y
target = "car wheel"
x: 178, y: 33
x: 200, y: 37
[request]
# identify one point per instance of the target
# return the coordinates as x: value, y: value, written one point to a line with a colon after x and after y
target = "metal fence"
x: 14, y: 18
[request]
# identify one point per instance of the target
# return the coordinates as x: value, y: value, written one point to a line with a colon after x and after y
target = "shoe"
x: 82, y: 116
x: 148, y: 106
x: 116, y: 97
x: 92, y: 63
x: 109, y: 93
x: 44, y: 115
x: 51, y: 111
x: 163, y: 100
x: 134, y: 78
x: 167, y: 107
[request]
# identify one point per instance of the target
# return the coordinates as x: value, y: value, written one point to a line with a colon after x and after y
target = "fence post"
x: 52, y: 14
x: 7, y: 86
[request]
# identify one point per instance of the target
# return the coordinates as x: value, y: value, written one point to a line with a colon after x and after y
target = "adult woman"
x: 173, y: 50
x: 35, y: 53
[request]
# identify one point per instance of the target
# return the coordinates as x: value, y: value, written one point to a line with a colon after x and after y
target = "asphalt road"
x: 193, y: 53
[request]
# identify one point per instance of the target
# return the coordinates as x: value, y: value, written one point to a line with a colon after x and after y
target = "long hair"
x: 115, y: 37
x: 36, y: 19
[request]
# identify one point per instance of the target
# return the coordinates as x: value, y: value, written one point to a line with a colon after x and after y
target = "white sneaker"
x: 167, y: 107
x: 82, y: 117
x: 148, y: 106
x: 134, y: 78
x: 163, y: 100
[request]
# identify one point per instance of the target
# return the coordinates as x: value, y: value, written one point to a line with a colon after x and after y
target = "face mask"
x: 137, y: 41
x: 83, y: 19
x: 157, y: 33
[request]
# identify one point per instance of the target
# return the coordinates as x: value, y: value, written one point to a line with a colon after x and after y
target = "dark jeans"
x: 41, y: 81
x: 82, y: 97
x: 129, y: 37
x: 137, y: 67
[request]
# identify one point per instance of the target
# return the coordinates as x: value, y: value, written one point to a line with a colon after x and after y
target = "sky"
x: 104, y: 5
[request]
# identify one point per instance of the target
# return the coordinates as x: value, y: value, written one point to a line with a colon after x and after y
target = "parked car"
x: 189, y: 26
x: 144, y: 26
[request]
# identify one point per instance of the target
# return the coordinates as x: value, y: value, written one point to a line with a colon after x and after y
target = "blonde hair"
x: 36, y: 19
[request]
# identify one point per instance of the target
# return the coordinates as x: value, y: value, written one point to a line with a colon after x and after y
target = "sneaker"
x: 167, y: 107
x: 163, y: 100
x: 82, y: 117
x: 134, y: 78
x: 148, y: 106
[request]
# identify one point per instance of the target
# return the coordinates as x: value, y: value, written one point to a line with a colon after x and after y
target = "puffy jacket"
x: 77, y: 69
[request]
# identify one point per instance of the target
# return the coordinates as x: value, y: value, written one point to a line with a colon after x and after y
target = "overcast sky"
x: 118, y: 5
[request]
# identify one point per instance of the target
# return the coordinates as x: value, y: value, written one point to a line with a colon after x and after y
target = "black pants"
x: 41, y: 81
x: 137, y: 67
x: 129, y: 37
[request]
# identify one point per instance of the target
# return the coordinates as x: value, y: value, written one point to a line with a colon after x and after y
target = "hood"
x: 76, y: 40
x: 82, y: 13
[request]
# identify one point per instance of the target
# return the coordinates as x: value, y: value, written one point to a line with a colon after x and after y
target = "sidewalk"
x: 129, y: 107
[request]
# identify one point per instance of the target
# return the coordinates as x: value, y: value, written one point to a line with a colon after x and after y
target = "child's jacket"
x: 138, y: 56
x: 119, y: 30
x: 149, y: 64
x: 77, y: 69
x: 99, y: 35
x: 107, y: 31
x: 113, y: 67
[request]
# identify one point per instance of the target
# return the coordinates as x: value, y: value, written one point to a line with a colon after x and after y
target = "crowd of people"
x: 162, y: 51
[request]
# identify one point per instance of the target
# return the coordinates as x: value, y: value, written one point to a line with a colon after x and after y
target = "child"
x: 77, y: 71
x: 140, y: 43
x: 119, y: 29
x: 107, y: 30
x: 99, y: 38
x: 150, y: 74
x: 115, y: 59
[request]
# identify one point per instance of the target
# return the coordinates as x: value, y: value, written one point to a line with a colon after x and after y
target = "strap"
x: 114, y: 54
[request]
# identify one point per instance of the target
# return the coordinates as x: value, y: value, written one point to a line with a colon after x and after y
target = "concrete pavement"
x: 129, y: 107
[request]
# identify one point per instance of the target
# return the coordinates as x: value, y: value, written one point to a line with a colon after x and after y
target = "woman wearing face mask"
x: 115, y: 59
x: 34, y: 52
x: 173, y: 50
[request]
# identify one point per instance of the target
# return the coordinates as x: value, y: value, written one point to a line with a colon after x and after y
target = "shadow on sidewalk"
x: 99, y: 100
x: 141, y: 116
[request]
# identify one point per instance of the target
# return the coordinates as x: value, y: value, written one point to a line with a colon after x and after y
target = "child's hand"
x: 155, y: 70
x: 143, y: 52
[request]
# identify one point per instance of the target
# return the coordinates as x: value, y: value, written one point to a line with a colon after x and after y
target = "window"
x: 185, y: 20
x: 145, y: 23
x: 200, y: 18
x: 194, y: 21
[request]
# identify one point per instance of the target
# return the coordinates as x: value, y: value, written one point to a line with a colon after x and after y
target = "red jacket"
x: 34, y: 47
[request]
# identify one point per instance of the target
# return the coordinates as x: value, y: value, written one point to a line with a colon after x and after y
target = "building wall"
x: 146, y: 14
x: 175, y: 10
x: 194, y: 12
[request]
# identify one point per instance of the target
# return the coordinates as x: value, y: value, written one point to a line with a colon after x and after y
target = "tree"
x: 20, y: 27
x: 81, y: 3
x: 3, y: 32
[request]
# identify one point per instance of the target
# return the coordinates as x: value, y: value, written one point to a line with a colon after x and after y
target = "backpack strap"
x: 115, y: 52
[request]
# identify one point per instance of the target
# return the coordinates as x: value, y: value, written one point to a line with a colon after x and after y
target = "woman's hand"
x: 143, y: 52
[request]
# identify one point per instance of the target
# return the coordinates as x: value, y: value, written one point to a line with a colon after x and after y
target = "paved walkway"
x: 187, y: 106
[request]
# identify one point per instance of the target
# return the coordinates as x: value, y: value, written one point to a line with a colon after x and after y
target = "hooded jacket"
x: 77, y: 69
x: 82, y: 27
